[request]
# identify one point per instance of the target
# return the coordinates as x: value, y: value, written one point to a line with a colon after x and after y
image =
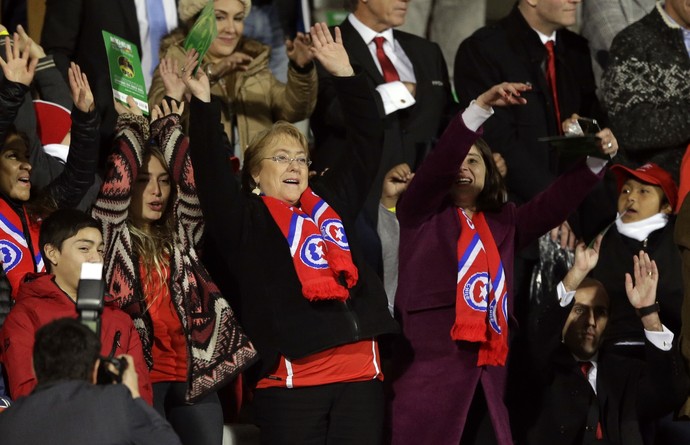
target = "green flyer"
x: 204, y: 31
x: 126, y: 76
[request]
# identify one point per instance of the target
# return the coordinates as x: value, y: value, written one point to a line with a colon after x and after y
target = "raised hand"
x: 20, y: 67
x: 163, y: 110
x: 299, y: 49
x: 129, y: 108
x: 170, y: 75
x: 82, y: 97
x: 198, y: 84
x: 330, y: 53
x: 395, y: 183
x: 643, y: 292
x: 35, y: 50
x: 586, y: 259
x: 504, y: 94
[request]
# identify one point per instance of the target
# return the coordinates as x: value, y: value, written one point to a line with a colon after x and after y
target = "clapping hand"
x: 20, y: 67
x: 330, y: 53
x: 299, y: 49
x: 81, y: 91
x: 170, y: 75
x: 198, y: 83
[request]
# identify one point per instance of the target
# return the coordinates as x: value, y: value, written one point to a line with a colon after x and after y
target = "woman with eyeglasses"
x: 152, y: 227
x: 307, y: 299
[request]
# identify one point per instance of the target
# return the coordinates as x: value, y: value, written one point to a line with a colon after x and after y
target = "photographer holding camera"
x: 68, y: 408
x: 68, y: 239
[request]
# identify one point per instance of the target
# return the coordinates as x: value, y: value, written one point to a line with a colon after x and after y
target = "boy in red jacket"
x: 68, y: 239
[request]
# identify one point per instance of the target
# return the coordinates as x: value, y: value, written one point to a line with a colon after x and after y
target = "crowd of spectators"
x: 378, y: 278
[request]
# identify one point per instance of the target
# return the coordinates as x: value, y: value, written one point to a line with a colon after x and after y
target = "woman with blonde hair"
x: 252, y: 98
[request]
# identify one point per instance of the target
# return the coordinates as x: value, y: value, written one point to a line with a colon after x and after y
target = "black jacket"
x: 269, y: 300
x: 77, y: 412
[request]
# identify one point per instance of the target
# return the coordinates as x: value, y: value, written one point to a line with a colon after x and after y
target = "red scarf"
x: 318, y: 245
x: 481, y: 292
x: 15, y: 255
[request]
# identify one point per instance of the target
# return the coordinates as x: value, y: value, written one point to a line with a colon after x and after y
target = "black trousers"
x: 339, y: 413
x: 197, y: 424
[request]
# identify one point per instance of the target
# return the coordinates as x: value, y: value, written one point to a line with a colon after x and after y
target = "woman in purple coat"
x: 458, y: 238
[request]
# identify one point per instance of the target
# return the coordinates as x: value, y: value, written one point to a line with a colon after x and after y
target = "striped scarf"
x: 318, y: 245
x: 481, y: 291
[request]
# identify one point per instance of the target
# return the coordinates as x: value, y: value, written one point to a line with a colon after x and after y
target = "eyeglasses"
x: 302, y: 161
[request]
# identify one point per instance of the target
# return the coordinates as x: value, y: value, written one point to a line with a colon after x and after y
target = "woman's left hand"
x: 198, y: 84
x: 170, y: 75
x: 163, y: 110
x: 608, y: 144
x: 299, y: 50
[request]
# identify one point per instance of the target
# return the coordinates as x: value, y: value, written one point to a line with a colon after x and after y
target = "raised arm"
x: 70, y: 186
x: 432, y: 182
x: 296, y: 100
x: 19, y: 69
x: 219, y: 192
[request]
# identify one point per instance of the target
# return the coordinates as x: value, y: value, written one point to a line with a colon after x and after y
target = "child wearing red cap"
x: 647, y: 197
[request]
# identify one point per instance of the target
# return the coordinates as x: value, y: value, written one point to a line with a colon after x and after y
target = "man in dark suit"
x: 72, y: 33
x: 413, y: 94
x: 583, y: 394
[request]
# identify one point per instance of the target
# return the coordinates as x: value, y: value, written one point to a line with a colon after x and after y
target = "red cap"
x: 649, y: 173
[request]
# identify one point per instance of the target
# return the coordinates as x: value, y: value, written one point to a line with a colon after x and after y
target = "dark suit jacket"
x: 74, y: 411
x: 408, y: 133
x: 511, y: 51
x: 72, y: 32
x: 629, y: 391
x: 432, y: 396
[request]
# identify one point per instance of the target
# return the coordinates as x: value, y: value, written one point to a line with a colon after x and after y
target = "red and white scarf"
x: 481, y: 292
x: 318, y: 245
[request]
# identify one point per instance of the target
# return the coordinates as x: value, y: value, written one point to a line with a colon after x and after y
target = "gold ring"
x: 184, y: 69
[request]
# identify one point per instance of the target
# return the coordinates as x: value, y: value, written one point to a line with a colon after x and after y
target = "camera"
x: 90, y: 304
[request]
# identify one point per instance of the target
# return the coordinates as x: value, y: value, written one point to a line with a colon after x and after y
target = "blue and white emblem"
x: 11, y: 255
x: 333, y: 230
x: 476, y: 291
x: 313, y: 252
x: 493, y: 320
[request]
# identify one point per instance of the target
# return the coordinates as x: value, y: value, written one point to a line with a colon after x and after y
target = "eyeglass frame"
x: 287, y: 160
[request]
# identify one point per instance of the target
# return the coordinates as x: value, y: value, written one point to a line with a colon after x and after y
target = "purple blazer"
x: 434, y: 391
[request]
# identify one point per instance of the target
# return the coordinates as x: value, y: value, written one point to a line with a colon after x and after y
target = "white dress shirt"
x: 395, y: 95
x: 149, y: 61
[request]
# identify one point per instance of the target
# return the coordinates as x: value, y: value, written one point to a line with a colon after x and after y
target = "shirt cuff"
x: 474, y: 116
x: 596, y: 164
x: 395, y: 96
x: 662, y: 340
x: 565, y: 297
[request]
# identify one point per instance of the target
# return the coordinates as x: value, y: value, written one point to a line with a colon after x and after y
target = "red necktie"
x: 585, y: 367
x: 551, y: 80
x: 389, y: 72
